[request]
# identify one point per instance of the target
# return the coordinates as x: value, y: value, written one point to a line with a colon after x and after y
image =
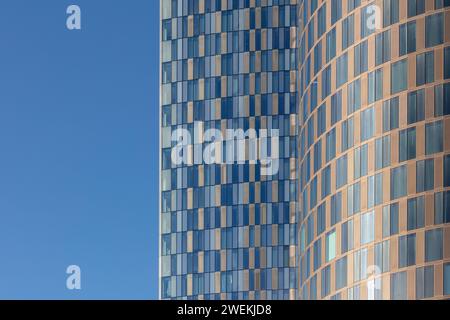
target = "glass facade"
x: 227, y: 230
x: 359, y: 93
x: 379, y: 230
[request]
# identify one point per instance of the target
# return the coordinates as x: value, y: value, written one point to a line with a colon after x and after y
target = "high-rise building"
x: 374, y: 144
x: 357, y: 93
x: 227, y: 228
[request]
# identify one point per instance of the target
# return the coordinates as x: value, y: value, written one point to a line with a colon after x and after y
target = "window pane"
x: 331, y: 246
x: 367, y: 228
x: 434, y: 137
x: 447, y: 279
x: 433, y: 245
x: 398, y: 286
x: 341, y: 273
x: 434, y: 30
x: 398, y: 182
x: 447, y: 171
x: 447, y: 63
x: 399, y: 76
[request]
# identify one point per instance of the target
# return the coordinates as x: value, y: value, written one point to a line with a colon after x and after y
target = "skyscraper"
x: 358, y: 93
x: 227, y: 228
x: 374, y: 149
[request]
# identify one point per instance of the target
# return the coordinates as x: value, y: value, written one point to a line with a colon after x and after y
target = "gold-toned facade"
x: 374, y: 149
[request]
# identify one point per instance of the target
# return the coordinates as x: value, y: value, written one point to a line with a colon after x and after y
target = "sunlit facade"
x: 227, y: 231
x: 360, y: 94
x: 374, y: 149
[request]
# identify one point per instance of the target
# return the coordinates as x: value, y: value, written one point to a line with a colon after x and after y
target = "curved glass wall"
x: 374, y: 149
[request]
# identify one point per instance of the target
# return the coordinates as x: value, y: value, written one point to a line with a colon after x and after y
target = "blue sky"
x: 79, y: 149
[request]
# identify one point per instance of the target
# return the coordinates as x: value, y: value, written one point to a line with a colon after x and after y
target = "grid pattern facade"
x: 374, y: 153
x: 228, y: 232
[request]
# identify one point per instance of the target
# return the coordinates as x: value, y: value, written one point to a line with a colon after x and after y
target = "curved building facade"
x: 228, y: 231
x: 374, y: 149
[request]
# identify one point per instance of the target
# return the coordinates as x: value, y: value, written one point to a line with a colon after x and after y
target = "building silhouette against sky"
x: 359, y: 206
x: 227, y: 230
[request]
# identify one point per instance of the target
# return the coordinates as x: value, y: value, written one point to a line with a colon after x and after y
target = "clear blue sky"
x: 79, y: 149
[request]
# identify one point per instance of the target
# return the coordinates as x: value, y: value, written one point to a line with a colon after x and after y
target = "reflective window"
x: 331, y: 145
x: 336, y: 208
x: 360, y: 164
x: 434, y: 30
x: 347, y: 134
x: 326, y: 82
x: 360, y: 266
x: 424, y: 68
x: 375, y: 190
x: 317, y: 254
x: 330, y: 251
x: 416, y: 106
x: 318, y: 58
x: 447, y: 278
x: 341, y: 273
x: 382, y: 152
x: 390, y: 220
x: 383, y: 47
x: 326, y: 281
x: 347, y: 236
x: 341, y: 171
x: 360, y: 54
x: 331, y: 45
x: 336, y: 10
x: 399, y: 76
x: 447, y: 63
x: 415, y: 7
x: 407, y: 38
x: 447, y: 170
x: 341, y: 70
x: 321, y: 20
x: 382, y: 256
x: 390, y: 12
x: 416, y: 213
x: 321, y: 218
x: 399, y: 286
x: 375, y: 84
x: 353, y: 199
x: 442, y: 99
x: 367, y: 227
x: 336, y: 107
x: 425, y: 282
x: 433, y: 245
x: 433, y: 137
x: 390, y: 114
x: 424, y: 175
x: 317, y: 156
x: 313, y: 288
x: 407, y: 144
x: 406, y: 250
x: 348, y: 31
x: 398, y: 182
x: 367, y: 124
x: 365, y: 27
x: 442, y: 207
